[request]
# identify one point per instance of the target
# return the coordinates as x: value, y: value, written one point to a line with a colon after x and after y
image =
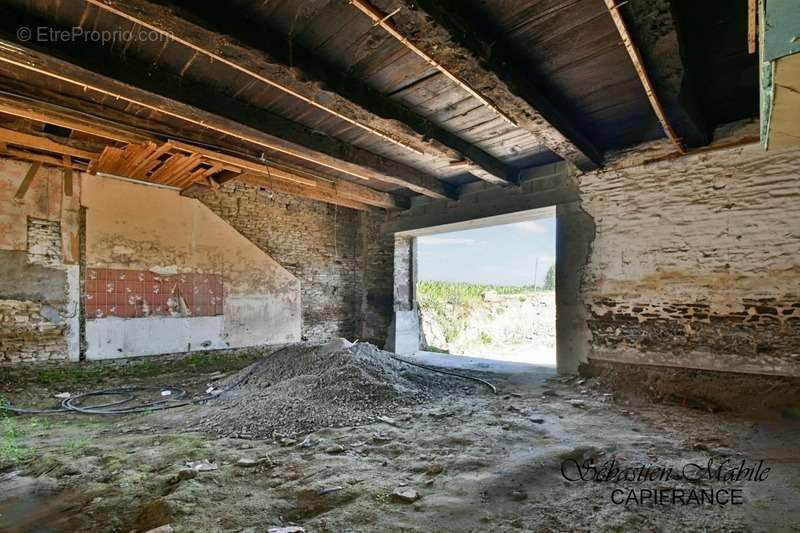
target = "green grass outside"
x: 464, y: 293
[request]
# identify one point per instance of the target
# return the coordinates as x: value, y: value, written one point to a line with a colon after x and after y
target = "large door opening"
x: 488, y: 290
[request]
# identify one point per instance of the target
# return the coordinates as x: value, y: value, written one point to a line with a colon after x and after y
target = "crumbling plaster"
x: 132, y: 226
x: 39, y: 289
x: 696, y: 261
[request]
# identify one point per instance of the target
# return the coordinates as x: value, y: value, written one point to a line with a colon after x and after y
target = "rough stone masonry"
x: 342, y: 260
x: 696, y: 262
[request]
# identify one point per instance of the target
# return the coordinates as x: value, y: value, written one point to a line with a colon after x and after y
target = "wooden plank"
x: 67, y: 176
x: 644, y: 77
x: 42, y: 143
x: 323, y: 151
x: 26, y: 181
x: 141, y: 169
x: 304, y: 191
x: 41, y: 158
x: 22, y: 107
x: 350, y: 101
x: 437, y: 32
x: 343, y: 188
x: 752, y: 26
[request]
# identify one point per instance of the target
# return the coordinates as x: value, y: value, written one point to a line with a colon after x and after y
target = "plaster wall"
x: 131, y: 226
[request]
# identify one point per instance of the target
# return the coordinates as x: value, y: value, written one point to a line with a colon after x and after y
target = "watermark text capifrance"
x: 46, y: 34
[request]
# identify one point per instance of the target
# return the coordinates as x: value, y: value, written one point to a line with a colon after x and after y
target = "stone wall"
x: 338, y: 254
x: 39, y: 295
x: 696, y: 262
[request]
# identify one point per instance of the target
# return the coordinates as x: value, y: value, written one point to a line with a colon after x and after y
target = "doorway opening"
x: 489, y: 290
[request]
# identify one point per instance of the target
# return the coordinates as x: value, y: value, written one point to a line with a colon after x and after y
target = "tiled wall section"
x: 139, y: 293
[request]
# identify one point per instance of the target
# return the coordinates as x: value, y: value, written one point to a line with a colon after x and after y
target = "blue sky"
x: 499, y: 255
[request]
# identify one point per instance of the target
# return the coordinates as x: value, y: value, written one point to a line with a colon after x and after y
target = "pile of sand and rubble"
x: 302, y: 388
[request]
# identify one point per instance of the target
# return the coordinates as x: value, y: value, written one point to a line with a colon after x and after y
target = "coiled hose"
x: 175, y: 397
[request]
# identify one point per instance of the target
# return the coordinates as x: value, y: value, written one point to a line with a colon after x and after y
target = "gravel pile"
x: 302, y: 388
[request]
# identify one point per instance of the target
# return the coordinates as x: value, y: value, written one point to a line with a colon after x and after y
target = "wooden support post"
x: 752, y: 26
x: 67, y: 176
x: 26, y: 181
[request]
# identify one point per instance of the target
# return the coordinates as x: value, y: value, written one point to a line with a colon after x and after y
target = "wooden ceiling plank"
x: 644, y: 77
x: 438, y: 33
x: 326, y: 152
x: 351, y: 102
x: 141, y: 168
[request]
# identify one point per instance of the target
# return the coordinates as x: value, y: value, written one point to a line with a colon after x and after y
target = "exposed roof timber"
x: 345, y: 189
x: 337, y: 156
x: 644, y: 77
x: 436, y: 31
x: 318, y: 188
x: 187, y: 164
x: 42, y: 143
x: 656, y: 31
x: 363, y: 107
x: 23, y: 107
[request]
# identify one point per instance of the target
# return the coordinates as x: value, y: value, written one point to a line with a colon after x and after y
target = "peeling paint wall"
x: 696, y: 262
x: 39, y: 293
x: 130, y: 226
x: 342, y: 260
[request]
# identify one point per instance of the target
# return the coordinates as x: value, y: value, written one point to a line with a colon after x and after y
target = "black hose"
x: 177, y: 398
x: 446, y: 372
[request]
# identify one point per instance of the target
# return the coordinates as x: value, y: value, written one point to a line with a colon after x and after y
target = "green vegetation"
x: 10, y: 449
x: 550, y: 279
x: 486, y: 338
x: 464, y: 293
x: 72, y: 374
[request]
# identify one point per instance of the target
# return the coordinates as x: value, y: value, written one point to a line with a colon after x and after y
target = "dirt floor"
x: 469, y: 461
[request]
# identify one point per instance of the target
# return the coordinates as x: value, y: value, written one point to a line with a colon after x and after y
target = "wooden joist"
x: 328, y: 153
x: 341, y: 188
x: 437, y: 32
x: 361, y: 107
x: 644, y: 77
x: 42, y: 143
x: 23, y: 107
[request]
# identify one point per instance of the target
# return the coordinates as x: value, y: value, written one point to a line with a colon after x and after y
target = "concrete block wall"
x: 696, y: 262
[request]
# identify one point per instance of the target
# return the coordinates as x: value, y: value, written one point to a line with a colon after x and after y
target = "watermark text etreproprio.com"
x: 46, y: 34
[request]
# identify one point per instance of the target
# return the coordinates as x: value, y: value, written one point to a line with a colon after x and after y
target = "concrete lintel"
x: 550, y: 185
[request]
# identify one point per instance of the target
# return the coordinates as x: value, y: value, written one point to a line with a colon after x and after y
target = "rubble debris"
x: 404, y: 495
x: 304, y: 387
x: 201, y: 466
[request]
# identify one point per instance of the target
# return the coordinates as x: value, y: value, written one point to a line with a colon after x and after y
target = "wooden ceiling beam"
x: 439, y: 33
x: 341, y: 188
x: 23, y: 107
x: 327, y: 152
x: 43, y: 144
x: 349, y: 100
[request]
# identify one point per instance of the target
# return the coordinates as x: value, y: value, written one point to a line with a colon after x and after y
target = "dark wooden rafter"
x: 323, y: 152
x: 361, y: 107
x: 437, y: 31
